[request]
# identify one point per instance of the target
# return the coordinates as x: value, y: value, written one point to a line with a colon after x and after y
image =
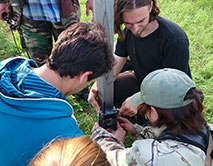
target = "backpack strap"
x: 209, y: 153
x: 201, y: 140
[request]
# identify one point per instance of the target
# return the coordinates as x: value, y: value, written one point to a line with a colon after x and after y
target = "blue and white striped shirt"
x: 22, y: 82
x: 42, y: 10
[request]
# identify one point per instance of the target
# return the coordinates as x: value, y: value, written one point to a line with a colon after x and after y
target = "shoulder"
x: 181, y: 153
x: 171, y: 29
x: 16, y: 61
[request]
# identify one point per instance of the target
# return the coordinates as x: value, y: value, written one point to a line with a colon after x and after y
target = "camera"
x: 108, y: 118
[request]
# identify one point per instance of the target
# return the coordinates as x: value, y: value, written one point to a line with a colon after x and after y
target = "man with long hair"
x: 150, y: 42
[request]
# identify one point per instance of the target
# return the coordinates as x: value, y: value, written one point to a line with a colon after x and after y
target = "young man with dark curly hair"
x: 34, y: 109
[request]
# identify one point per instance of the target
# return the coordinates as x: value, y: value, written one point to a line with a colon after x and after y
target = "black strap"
x: 200, y: 140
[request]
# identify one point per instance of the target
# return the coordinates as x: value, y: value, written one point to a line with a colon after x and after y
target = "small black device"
x: 108, y: 118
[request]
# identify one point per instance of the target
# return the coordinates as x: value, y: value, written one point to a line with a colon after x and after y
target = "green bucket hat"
x: 164, y: 88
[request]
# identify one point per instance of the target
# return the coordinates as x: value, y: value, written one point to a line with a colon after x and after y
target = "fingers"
x: 87, y: 11
x: 127, y: 109
x: 122, y: 119
x: 3, y: 8
x: 89, y: 6
x: 95, y: 126
x: 92, y: 99
x: 127, y: 112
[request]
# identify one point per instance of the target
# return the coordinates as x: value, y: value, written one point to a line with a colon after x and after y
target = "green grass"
x: 194, y: 16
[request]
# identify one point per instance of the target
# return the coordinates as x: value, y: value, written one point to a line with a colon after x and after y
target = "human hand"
x: 127, y: 109
x: 96, y: 125
x: 126, y: 124
x: 3, y: 8
x: 89, y: 6
x: 92, y: 98
x: 120, y: 133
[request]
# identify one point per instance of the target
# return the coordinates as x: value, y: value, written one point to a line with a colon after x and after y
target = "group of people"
x: 37, y: 123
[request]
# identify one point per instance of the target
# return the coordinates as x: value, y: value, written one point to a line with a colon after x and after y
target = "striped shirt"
x: 26, y: 84
x: 42, y: 10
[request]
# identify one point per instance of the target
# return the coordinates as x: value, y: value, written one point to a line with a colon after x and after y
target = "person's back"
x: 34, y: 109
x: 27, y: 120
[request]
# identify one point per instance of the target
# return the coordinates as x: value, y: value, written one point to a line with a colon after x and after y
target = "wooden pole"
x: 104, y: 13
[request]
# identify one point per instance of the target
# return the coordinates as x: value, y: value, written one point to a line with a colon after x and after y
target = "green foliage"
x: 84, y: 113
x: 7, y: 49
x: 8, y: 38
x: 195, y: 17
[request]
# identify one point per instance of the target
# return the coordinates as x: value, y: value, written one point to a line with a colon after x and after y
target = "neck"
x: 151, y: 27
x: 51, y: 77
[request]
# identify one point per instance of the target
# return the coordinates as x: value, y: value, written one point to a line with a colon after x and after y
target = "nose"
x: 135, y: 28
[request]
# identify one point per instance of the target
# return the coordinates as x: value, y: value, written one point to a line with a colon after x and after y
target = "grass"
x: 194, y: 16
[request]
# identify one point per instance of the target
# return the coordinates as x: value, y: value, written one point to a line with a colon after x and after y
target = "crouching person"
x: 34, y: 109
x: 177, y: 134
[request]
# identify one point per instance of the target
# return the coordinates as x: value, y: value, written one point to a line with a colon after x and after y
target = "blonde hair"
x: 79, y: 151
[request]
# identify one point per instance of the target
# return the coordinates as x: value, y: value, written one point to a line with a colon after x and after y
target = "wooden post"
x: 104, y: 13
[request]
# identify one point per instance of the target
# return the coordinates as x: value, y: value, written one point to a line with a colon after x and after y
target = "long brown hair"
x: 121, y: 6
x: 79, y: 151
x: 183, y: 120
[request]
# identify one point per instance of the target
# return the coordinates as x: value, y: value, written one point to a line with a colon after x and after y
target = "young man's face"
x: 136, y: 20
x: 76, y: 84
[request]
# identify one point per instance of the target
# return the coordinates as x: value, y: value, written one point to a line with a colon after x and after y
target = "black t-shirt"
x: 166, y: 47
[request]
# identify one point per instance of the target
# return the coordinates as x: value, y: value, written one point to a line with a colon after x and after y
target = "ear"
x: 151, y: 6
x: 154, y: 114
x: 83, y: 76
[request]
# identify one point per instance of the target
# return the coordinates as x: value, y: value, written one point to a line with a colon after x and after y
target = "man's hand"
x: 126, y: 124
x: 3, y: 8
x: 127, y: 109
x: 93, y: 97
x: 89, y: 6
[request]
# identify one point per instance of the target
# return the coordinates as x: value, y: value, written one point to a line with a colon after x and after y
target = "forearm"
x: 114, y: 148
x: 119, y: 63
